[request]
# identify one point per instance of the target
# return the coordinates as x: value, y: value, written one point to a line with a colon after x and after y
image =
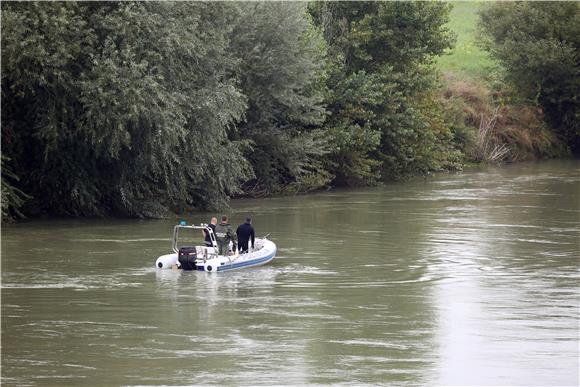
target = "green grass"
x: 466, y: 57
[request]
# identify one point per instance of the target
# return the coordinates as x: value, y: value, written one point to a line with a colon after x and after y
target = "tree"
x: 280, y: 70
x: 120, y: 107
x: 381, y: 85
x: 136, y: 108
x: 537, y: 44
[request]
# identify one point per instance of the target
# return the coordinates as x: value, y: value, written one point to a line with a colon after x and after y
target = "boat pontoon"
x: 207, y: 258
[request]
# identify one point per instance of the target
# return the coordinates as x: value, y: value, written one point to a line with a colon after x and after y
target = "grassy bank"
x: 493, y: 127
x: 465, y: 58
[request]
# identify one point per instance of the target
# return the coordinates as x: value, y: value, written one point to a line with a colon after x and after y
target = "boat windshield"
x: 190, y: 236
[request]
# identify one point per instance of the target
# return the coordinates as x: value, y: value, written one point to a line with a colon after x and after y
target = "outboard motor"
x: 186, y: 257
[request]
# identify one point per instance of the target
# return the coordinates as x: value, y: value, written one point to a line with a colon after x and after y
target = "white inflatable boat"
x: 206, y: 258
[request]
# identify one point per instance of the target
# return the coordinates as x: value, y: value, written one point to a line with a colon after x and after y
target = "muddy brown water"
x: 462, y: 279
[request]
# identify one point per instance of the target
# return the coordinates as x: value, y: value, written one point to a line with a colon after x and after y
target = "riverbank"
x: 151, y: 128
x: 241, y: 207
x: 494, y: 125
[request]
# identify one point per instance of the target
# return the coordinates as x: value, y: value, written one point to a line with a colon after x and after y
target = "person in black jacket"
x: 207, y: 238
x: 245, y: 233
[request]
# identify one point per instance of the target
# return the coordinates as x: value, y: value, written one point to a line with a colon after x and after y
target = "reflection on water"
x: 463, y: 279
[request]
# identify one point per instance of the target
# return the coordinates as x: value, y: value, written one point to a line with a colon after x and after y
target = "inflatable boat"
x: 207, y: 258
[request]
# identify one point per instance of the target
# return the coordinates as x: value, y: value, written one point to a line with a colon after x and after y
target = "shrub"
x: 537, y: 44
x: 489, y: 126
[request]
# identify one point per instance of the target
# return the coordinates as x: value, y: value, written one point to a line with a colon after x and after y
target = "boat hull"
x: 264, y: 252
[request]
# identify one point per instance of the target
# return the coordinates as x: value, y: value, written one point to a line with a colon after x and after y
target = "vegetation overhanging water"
x: 132, y: 109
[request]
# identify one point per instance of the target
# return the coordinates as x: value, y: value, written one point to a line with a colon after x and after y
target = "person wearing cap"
x: 245, y: 233
x: 224, y: 235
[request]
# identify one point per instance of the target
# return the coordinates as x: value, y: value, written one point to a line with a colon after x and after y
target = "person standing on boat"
x: 245, y: 233
x: 224, y: 235
x: 211, y: 225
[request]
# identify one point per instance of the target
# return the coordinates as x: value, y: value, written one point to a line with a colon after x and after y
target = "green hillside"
x: 466, y: 57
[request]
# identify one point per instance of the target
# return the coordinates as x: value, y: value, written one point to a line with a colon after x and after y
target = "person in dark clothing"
x: 245, y: 233
x: 224, y: 235
x: 211, y: 225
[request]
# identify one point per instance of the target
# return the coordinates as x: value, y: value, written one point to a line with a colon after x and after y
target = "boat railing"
x: 202, y: 226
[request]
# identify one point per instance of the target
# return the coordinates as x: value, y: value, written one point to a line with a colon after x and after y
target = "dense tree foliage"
x: 120, y: 107
x: 381, y: 88
x: 136, y: 108
x: 11, y: 197
x: 280, y: 70
x: 537, y: 43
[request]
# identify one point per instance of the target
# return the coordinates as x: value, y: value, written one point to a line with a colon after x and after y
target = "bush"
x: 490, y: 126
x: 537, y: 43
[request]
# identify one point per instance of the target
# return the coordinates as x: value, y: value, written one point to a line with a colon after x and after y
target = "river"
x: 459, y: 279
